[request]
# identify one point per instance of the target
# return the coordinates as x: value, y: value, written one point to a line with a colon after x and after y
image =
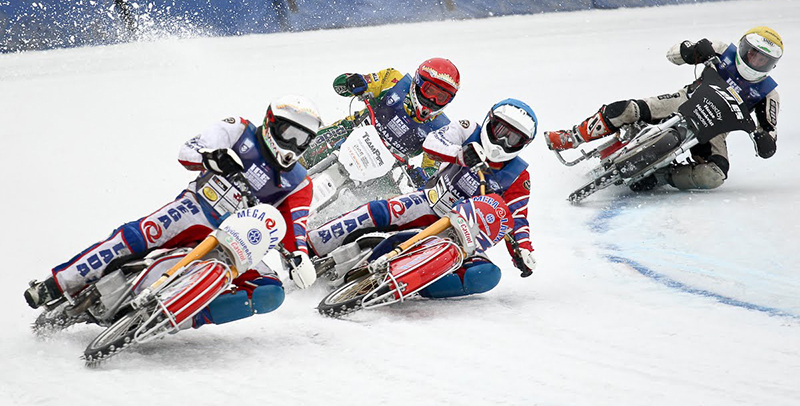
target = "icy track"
x: 665, y: 298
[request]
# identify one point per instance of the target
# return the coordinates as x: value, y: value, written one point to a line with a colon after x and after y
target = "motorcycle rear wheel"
x: 349, y: 297
x: 115, y: 338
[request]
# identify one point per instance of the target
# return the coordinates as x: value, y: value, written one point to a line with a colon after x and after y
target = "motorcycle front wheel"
x: 349, y: 297
x: 115, y: 338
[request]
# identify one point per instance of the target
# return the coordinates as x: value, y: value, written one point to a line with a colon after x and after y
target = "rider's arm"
x: 516, y: 196
x: 222, y: 134
x: 446, y: 143
x: 679, y: 52
x: 376, y: 82
x: 294, y: 209
x: 766, y: 135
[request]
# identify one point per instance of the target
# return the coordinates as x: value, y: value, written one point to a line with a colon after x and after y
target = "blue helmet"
x: 507, y: 129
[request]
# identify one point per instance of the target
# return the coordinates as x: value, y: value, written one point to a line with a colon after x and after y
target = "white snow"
x: 665, y: 298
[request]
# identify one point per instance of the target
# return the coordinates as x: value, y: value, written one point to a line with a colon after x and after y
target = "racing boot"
x: 40, y: 293
x: 594, y: 127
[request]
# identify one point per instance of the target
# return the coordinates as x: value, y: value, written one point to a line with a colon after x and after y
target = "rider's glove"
x: 764, y: 142
x: 221, y: 161
x: 301, y: 270
x: 356, y: 84
x: 471, y: 155
x: 700, y: 52
x: 524, y: 258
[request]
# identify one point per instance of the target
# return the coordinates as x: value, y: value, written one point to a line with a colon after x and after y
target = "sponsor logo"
x: 230, y: 120
x: 210, y: 194
x: 462, y: 225
x: 375, y: 152
x: 246, y: 146
x: 433, y: 196
x: 669, y: 96
x: 527, y: 185
x: 773, y: 112
x: 152, y: 231
x: 254, y: 236
x: 490, y: 218
x: 392, y: 99
x: 464, y: 123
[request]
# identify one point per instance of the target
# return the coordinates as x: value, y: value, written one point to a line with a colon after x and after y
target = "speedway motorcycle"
x: 145, y: 299
x: 372, y: 273
x: 639, y: 150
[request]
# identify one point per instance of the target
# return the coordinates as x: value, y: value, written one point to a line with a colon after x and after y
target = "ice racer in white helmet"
x: 746, y: 68
x: 266, y: 155
x: 462, y: 146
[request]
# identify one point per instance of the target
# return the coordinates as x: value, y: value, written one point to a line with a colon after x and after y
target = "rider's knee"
x: 480, y: 277
x: 236, y: 306
x: 626, y: 112
x: 708, y: 175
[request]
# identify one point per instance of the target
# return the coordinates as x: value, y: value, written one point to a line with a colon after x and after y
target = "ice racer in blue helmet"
x: 462, y: 146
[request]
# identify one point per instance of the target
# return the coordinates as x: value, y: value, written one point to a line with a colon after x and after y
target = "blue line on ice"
x: 600, y: 224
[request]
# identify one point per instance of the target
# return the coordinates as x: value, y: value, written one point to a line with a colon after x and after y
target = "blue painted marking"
x: 600, y: 225
x: 700, y: 292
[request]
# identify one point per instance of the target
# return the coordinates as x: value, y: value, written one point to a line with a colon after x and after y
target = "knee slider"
x: 626, y: 112
x: 480, y: 277
x: 237, y: 306
x: 133, y: 236
x: 702, y: 176
x: 379, y: 210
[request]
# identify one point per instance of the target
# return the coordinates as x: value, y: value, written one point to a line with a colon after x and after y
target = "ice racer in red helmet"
x: 406, y: 108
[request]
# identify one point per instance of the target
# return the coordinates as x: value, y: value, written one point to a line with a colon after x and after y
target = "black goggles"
x: 288, y: 134
x: 505, y: 135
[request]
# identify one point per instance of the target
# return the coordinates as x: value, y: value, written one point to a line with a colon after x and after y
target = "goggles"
x: 506, y: 136
x: 431, y: 95
x: 288, y: 134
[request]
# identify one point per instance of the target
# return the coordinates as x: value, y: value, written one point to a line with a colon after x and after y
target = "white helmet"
x: 509, y: 127
x: 759, y: 51
x: 290, y: 124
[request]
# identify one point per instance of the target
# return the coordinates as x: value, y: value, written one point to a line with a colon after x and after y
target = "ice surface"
x: 666, y: 298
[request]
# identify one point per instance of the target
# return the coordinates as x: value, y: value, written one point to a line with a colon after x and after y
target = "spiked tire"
x: 115, y: 338
x: 606, y: 179
x: 349, y: 297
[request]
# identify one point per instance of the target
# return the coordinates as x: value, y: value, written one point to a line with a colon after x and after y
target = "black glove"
x: 765, y: 144
x: 697, y: 53
x: 356, y: 84
x: 472, y: 155
x: 221, y: 161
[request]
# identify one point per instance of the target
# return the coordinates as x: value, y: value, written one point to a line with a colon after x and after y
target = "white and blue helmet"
x: 507, y: 129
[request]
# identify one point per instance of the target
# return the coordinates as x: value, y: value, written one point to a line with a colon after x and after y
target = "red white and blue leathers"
x: 190, y: 217
x: 417, y: 209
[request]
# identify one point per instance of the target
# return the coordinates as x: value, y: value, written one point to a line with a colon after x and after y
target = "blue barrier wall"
x: 44, y: 24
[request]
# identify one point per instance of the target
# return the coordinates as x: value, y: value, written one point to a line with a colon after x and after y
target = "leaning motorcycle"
x: 373, y: 273
x: 639, y: 150
x: 144, y: 299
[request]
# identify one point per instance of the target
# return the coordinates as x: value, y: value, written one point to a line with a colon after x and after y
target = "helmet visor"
x: 288, y: 134
x: 431, y: 95
x: 755, y: 57
x: 505, y: 135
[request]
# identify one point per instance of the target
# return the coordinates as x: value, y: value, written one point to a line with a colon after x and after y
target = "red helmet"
x: 435, y: 84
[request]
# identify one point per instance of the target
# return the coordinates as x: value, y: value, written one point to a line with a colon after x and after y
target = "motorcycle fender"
x: 201, y: 284
x: 424, y: 265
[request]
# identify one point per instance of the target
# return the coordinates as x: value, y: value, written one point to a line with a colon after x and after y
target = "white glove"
x: 302, y: 271
x: 528, y: 260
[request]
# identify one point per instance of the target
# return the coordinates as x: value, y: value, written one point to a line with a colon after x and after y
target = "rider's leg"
x: 405, y: 211
x: 178, y: 223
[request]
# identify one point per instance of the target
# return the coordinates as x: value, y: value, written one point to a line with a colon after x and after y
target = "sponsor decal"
x: 246, y: 146
x: 773, y: 112
x: 464, y: 123
x: 527, y: 185
x: 254, y: 236
x: 490, y: 218
x: 95, y: 261
x: 433, y: 196
x: 392, y: 99
x: 152, y: 231
x: 230, y: 120
x: 669, y: 96
x: 210, y: 194
x: 464, y: 227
